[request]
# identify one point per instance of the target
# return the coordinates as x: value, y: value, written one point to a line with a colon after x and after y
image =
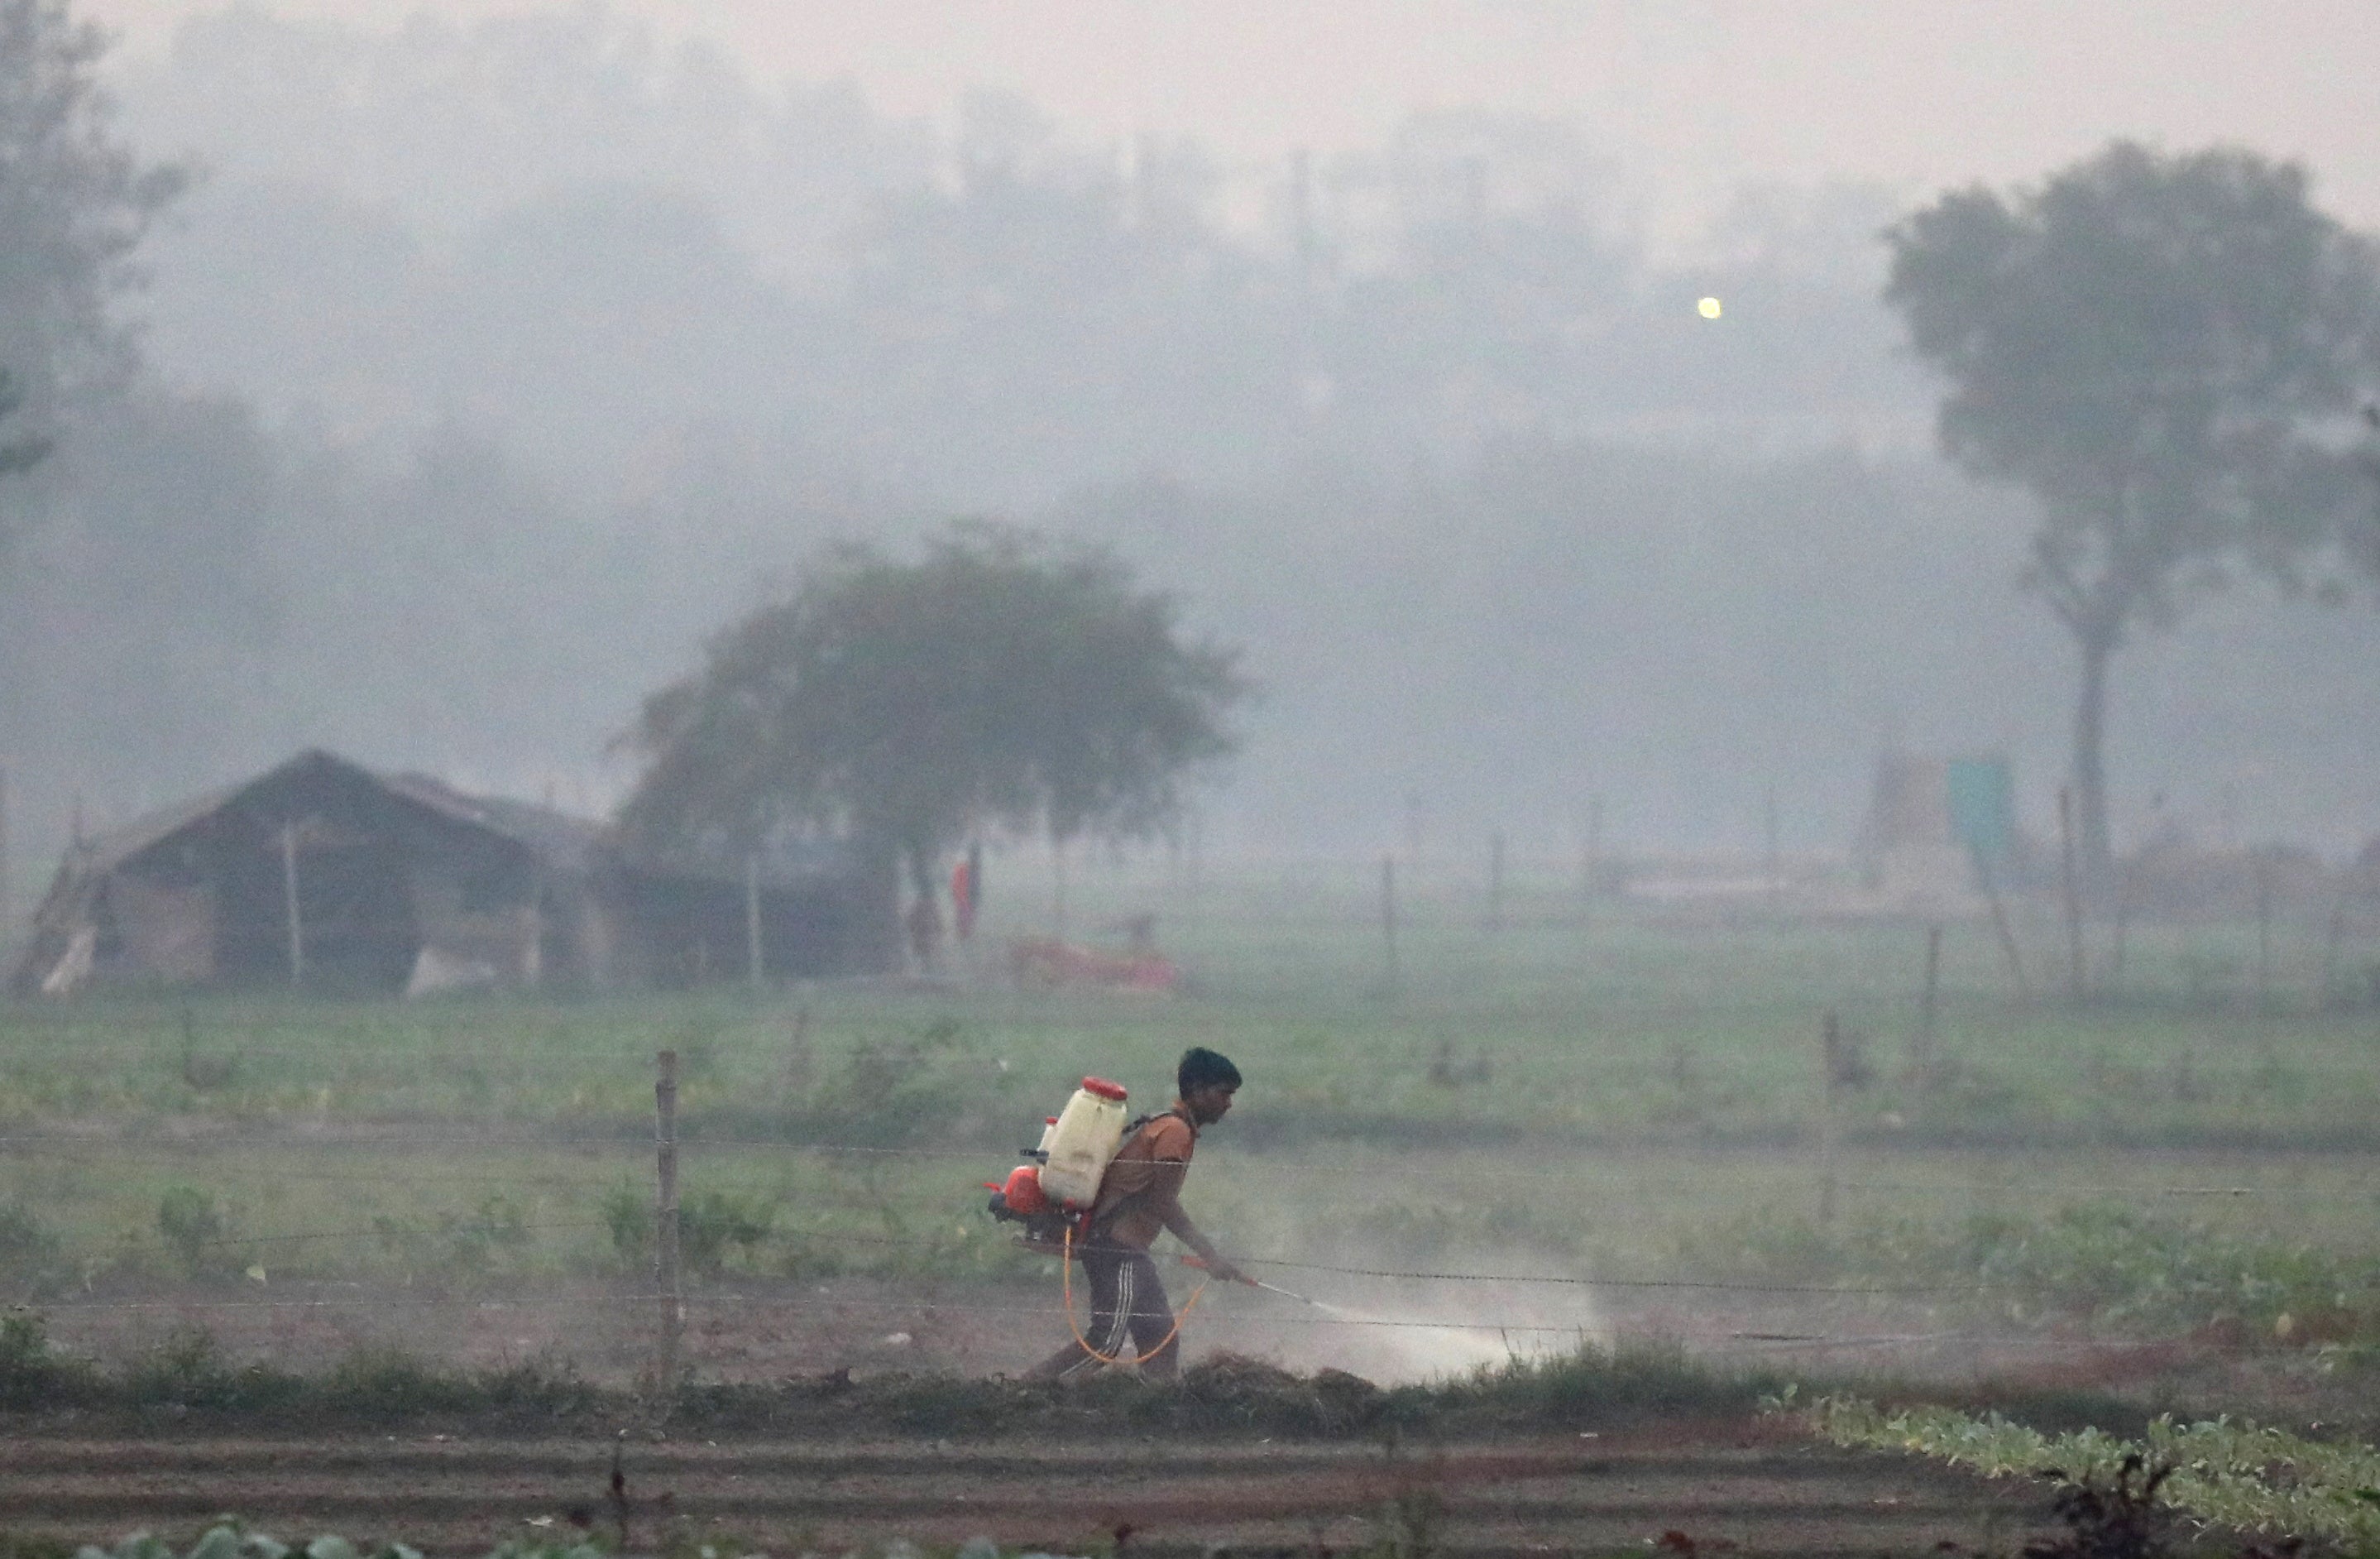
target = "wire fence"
x: 665, y: 1304
x: 86, y: 1147
x: 1525, y: 1335
x: 832, y: 1237
x: 1412, y: 930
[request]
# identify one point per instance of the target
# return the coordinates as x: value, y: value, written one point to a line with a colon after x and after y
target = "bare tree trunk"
x: 2089, y: 762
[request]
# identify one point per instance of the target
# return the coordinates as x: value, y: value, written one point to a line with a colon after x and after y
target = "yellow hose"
x: 1066, y: 1284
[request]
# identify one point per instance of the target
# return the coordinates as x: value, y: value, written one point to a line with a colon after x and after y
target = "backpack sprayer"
x: 1052, y: 1191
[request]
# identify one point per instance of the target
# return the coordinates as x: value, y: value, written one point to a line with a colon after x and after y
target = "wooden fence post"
x: 289, y: 905
x: 755, y: 965
x: 665, y: 1222
x: 1591, y: 869
x: 2263, y: 933
x: 801, y: 1061
x: 1830, y: 1044
x: 1921, y: 1059
x: 1772, y: 864
x: 2121, y: 932
x: 2072, y: 893
x: 2007, y: 934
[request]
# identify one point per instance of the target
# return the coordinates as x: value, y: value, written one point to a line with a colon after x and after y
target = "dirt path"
x: 1752, y: 1486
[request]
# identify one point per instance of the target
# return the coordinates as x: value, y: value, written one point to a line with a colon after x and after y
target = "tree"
x: 18, y: 453
x: 74, y: 205
x: 2162, y: 349
x: 1000, y: 679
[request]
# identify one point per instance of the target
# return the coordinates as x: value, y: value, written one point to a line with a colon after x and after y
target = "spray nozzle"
x: 1200, y: 1262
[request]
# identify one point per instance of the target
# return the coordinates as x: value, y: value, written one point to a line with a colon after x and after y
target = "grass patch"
x: 1227, y: 1393
x: 1619, y: 1026
x: 32, y: 1259
x: 1556, y: 1098
x: 187, y: 1374
x: 2100, y: 1264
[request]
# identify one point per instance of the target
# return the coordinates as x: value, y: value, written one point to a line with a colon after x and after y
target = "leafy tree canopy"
x: 2163, y: 349
x: 74, y: 205
x: 1002, y: 679
x: 17, y: 452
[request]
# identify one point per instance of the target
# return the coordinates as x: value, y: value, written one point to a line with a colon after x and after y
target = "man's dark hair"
x: 1202, y: 1068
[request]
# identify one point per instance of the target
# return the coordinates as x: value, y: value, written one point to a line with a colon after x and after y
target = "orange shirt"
x: 1144, y: 1176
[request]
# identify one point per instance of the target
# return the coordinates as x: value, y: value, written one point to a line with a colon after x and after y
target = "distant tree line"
x: 511, y: 410
x: 663, y: 265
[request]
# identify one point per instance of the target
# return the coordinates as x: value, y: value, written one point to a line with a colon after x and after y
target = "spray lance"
x: 1259, y: 1282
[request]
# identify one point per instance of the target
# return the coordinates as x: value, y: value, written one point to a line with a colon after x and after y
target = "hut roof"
x: 559, y: 838
x: 97, y: 855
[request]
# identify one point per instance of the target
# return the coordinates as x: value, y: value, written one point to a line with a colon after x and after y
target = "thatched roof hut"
x: 329, y: 876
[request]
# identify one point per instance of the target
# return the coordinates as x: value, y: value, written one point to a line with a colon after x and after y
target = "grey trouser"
x: 1128, y: 1304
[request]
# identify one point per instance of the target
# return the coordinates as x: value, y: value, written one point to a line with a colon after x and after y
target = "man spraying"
x: 1139, y: 1196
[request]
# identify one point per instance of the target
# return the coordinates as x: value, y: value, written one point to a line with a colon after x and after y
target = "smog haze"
x: 498, y: 356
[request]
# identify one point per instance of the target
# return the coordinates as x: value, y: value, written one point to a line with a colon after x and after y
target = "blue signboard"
x: 1982, y: 807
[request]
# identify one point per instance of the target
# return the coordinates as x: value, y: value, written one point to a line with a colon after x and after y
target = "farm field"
x: 1593, y: 1125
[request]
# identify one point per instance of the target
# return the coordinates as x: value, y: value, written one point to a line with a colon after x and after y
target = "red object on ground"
x: 1023, y: 1192
x: 1046, y: 961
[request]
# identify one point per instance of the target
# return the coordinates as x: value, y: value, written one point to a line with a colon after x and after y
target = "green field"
x: 1588, y: 1091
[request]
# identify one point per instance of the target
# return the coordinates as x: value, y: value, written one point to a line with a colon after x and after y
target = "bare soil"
x: 1756, y: 1485
x: 764, y: 1331
x: 1724, y: 1486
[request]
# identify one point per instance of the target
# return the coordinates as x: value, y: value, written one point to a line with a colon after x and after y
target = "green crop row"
x: 2109, y: 1266
x: 231, y: 1539
x: 2229, y: 1474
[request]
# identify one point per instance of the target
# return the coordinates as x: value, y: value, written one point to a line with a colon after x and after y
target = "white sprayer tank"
x: 1088, y: 1131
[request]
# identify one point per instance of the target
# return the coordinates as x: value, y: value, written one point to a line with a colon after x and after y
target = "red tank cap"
x: 1104, y: 1089
x: 1049, y: 1120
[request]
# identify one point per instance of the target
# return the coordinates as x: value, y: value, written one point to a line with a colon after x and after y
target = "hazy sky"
x: 1694, y: 96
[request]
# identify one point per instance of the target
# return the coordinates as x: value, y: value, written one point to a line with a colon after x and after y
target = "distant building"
x: 328, y: 876
x: 1937, y: 828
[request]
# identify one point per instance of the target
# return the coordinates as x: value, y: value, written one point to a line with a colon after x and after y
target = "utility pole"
x: 1772, y: 864
x: 1929, y: 1002
x: 753, y: 963
x: 289, y: 905
x: 1830, y: 1078
x: 2071, y: 891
